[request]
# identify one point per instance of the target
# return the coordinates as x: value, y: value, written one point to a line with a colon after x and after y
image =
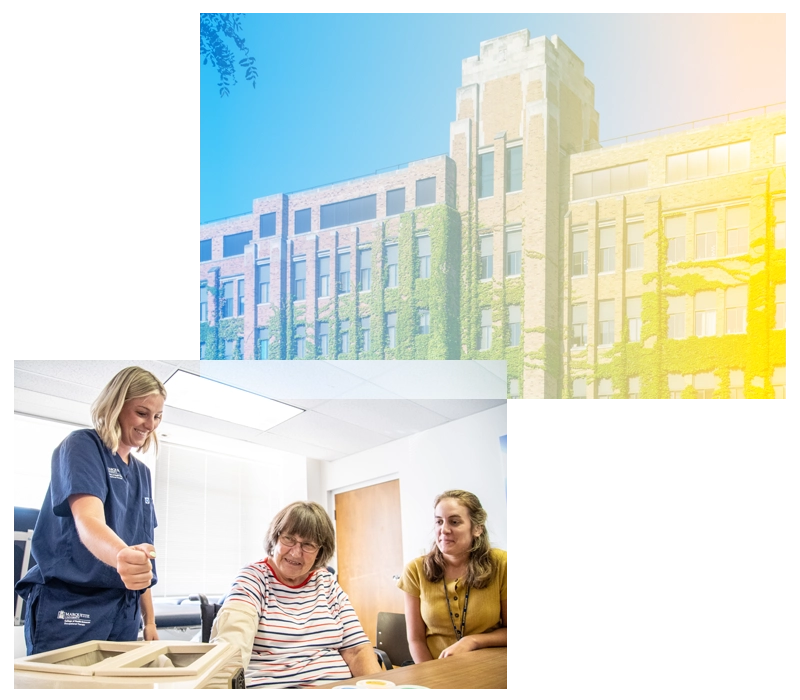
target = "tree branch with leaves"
x: 220, y: 40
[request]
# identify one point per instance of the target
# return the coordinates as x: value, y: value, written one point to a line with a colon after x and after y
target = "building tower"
x: 524, y: 107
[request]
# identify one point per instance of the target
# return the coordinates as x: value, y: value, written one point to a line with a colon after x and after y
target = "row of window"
x: 706, y: 162
x: 736, y: 239
x: 513, y: 171
x: 705, y: 316
x: 704, y: 385
x: 513, y: 254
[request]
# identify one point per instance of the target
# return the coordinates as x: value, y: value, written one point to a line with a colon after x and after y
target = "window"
x: 262, y: 283
x: 780, y: 307
x: 486, y: 256
x: 514, y: 325
x: 605, y: 262
x: 719, y: 160
x: 676, y: 317
x: 424, y: 322
x: 349, y: 212
x: 486, y: 174
x: 424, y: 256
x: 202, y: 351
x: 262, y: 338
x: 633, y: 309
x: 232, y: 298
x: 779, y: 382
x: 228, y: 350
x: 323, y: 329
x: 299, y: 279
x: 635, y: 245
x: 705, y: 384
x: 514, y: 169
x: 302, y: 221
x: 391, y: 329
x: 426, y: 191
x: 324, y: 275
x: 737, y: 383
x: 395, y: 201
x: 599, y: 183
x: 633, y: 387
x: 580, y: 328
x: 344, y: 337
x: 736, y: 309
x: 513, y: 388
x: 344, y: 271
x: 605, y: 318
x: 705, y: 313
x: 203, y: 303
x: 486, y: 329
x: 779, y: 210
x: 737, y: 222
x: 604, y: 389
x: 513, y: 253
x: 705, y: 235
x: 235, y: 243
x: 300, y: 341
x: 676, y: 384
x: 391, y: 265
x: 675, y: 229
x: 365, y: 339
x: 580, y: 253
x: 205, y: 250
x: 365, y: 269
x: 266, y: 225
x: 579, y: 388
x: 780, y: 148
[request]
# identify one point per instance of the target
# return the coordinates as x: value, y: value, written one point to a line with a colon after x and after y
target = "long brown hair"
x: 481, y: 566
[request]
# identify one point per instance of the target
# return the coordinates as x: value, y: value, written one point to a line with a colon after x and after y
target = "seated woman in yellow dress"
x: 455, y: 596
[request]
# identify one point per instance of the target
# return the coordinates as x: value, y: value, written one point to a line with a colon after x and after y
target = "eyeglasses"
x: 307, y: 547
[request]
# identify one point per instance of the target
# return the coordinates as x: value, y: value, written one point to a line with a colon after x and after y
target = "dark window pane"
x: 205, y: 250
x: 514, y: 169
x: 395, y: 201
x: 486, y: 174
x: 302, y: 221
x: 235, y: 243
x: 267, y: 227
x: 349, y: 212
x: 426, y: 191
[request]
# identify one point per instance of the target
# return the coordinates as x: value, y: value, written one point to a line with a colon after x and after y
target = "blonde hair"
x: 130, y: 383
x: 481, y: 566
x: 309, y: 521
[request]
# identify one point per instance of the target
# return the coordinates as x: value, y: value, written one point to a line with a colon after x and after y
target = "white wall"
x: 463, y: 454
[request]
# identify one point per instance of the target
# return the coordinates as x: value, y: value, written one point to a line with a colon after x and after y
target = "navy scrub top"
x: 82, y: 464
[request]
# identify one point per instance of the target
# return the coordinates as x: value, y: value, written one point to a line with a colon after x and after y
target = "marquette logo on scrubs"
x: 147, y: 500
x: 74, y: 619
x: 114, y: 473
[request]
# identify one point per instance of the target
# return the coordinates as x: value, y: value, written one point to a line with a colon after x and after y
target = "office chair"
x: 392, y: 646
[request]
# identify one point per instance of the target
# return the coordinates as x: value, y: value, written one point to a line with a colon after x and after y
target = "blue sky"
x: 340, y: 96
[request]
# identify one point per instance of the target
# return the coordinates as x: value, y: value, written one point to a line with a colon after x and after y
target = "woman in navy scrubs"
x: 93, y: 540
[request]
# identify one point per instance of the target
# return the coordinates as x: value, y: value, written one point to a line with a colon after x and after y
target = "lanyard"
x: 459, y: 633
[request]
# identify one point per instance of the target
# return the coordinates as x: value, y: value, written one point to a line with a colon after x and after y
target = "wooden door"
x: 370, y: 551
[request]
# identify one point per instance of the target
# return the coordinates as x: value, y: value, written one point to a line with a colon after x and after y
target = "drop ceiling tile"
x: 393, y: 418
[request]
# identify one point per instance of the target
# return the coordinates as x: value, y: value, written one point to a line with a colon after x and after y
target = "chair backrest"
x: 392, y: 638
x: 24, y: 523
x: 208, y: 611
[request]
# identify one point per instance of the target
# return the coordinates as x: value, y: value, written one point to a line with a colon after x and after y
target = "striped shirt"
x: 300, y: 628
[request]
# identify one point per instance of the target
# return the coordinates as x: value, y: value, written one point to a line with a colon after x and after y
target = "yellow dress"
x: 483, y: 607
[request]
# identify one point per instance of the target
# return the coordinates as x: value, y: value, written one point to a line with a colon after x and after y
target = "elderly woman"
x: 93, y: 539
x: 287, y: 614
x: 455, y: 596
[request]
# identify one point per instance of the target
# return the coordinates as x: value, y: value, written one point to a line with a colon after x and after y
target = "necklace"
x: 459, y: 632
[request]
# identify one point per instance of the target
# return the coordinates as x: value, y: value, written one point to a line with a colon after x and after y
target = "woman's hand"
x: 462, y: 646
x: 150, y: 632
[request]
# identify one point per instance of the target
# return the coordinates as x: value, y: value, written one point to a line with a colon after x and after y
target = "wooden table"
x: 484, y: 668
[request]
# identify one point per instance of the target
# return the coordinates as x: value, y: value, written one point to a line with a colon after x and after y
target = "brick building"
x: 518, y: 238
